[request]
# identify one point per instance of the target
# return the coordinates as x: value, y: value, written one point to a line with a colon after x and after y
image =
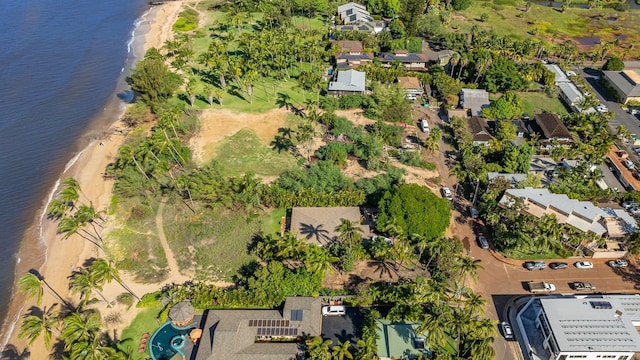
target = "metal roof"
x: 594, y: 324
x: 350, y: 80
x: 623, y: 81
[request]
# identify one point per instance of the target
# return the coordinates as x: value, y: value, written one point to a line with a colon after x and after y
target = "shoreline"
x: 98, y: 147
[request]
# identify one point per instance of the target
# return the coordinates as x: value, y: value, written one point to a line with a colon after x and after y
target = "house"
x: 348, y: 82
x: 369, y: 27
x: 410, y: 61
x: 351, y: 54
x: 399, y: 340
x: 582, y: 215
x: 589, y: 327
x: 411, y: 86
x: 353, y: 12
x: 444, y: 56
x: 571, y: 96
x: 550, y: 128
x: 318, y: 224
x: 561, y: 77
x: 479, y: 131
x: 474, y: 100
x: 246, y: 334
x: 625, y: 83
x: 460, y: 113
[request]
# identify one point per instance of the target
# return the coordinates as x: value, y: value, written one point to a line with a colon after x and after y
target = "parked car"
x: 482, y: 241
x: 628, y: 204
x: 584, y: 265
x: 533, y: 265
x: 424, y: 125
x: 474, y: 212
x: 618, y: 263
x: 634, y: 210
x: 628, y: 164
x: 558, y: 265
x: 507, y: 332
x: 446, y: 193
x: 571, y: 73
x: 337, y: 310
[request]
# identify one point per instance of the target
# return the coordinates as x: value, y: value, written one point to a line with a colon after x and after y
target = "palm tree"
x: 319, y: 260
x: 349, y: 232
x: 69, y: 226
x: 304, y: 134
x: 44, y: 323
x: 83, y: 282
x: 70, y: 192
x: 433, y: 140
x: 80, y: 327
x: 33, y: 284
x: 367, y: 348
x: 453, y: 62
x: 106, y: 271
x: 191, y: 90
x: 318, y: 348
x: 92, y: 350
x: 475, y: 304
x: 468, y: 266
x: 341, y: 351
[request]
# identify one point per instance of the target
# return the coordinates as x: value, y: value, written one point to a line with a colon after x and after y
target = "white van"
x: 424, y: 125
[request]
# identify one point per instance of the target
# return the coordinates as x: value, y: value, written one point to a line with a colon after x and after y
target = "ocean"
x: 63, y: 64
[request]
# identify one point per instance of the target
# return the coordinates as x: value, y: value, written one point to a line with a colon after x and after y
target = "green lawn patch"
x: 187, y: 21
x: 214, y: 243
x: 243, y: 152
x: 145, y: 322
x: 518, y: 255
x: 271, y: 221
x: 537, y: 102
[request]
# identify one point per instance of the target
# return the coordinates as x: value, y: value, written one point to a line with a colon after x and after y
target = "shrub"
x: 150, y: 300
x: 613, y: 64
x: 187, y: 21
x: 125, y: 299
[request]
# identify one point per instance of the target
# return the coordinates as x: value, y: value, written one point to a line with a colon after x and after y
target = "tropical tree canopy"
x: 153, y: 80
x: 415, y: 210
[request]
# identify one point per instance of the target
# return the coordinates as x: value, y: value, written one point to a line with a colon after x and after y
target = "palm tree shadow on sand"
x: 309, y: 231
x: 11, y: 352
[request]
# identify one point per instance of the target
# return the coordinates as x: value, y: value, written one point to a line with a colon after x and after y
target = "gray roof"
x: 623, y: 82
x: 570, y: 92
x: 404, y: 57
x: 561, y: 77
x: 317, y: 224
x: 594, y: 324
x: 352, y: 12
x: 582, y: 215
x: 514, y: 178
x: 350, y: 80
x: 475, y: 100
x: 231, y: 334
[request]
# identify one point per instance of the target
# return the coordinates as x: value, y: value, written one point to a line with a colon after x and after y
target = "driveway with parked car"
x: 344, y: 327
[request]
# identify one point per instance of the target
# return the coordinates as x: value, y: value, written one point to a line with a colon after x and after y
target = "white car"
x: 629, y: 164
x: 334, y: 310
x: 618, y: 263
x: 506, y: 330
x: 446, y: 193
x: 424, y: 125
x: 571, y: 73
x: 584, y: 265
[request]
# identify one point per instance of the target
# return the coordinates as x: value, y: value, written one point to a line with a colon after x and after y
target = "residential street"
x: 502, y: 280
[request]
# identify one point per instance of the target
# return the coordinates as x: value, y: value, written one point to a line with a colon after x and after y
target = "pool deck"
x: 188, y: 348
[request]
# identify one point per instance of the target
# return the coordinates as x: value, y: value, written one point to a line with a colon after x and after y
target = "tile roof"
x: 552, y: 126
x: 350, y: 45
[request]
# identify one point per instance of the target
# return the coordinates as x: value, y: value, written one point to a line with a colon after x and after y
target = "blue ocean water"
x: 61, y: 65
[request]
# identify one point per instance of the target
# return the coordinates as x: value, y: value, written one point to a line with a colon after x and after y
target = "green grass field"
x: 507, y: 17
x: 244, y: 152
x: 537, y: 102
x: 214, y: 243
x: 271, y: 221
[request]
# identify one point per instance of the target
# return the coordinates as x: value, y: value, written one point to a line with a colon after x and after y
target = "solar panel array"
x: 277, y: 331
x: 276, y: 323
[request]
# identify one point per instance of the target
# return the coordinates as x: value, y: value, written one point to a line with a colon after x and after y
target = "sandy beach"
x: 63, y: 256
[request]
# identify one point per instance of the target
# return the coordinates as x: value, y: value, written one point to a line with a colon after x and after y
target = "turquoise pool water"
x: 167, y: 341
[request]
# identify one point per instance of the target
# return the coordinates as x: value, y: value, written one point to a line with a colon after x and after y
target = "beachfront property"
x: 591, y: 327
x: 260, y: 334
x: 625, y: 83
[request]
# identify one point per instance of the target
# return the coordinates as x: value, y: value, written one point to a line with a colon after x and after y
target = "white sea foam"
x: 9, y: 325
x: 136, y: 24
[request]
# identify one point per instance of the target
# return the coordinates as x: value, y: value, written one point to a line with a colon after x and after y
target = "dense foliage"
x: 153, y: 80
x: 415, y: 210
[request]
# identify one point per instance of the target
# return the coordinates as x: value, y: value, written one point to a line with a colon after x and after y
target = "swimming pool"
x: 167, y: 341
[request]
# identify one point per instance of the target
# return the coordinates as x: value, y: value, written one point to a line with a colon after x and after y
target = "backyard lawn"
x: 538, y: 102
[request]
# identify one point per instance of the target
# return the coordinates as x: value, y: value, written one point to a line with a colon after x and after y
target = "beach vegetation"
x: 36, y: 323
x: 152, y: 79
x: 187, y: 21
